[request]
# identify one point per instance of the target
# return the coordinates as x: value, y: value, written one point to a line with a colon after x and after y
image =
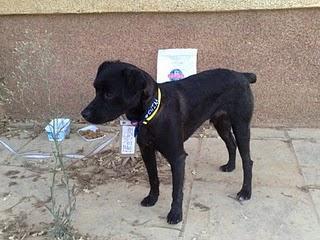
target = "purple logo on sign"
x: 175, y: 74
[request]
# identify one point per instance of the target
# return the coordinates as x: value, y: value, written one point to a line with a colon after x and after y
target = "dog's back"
x: 200, y: 96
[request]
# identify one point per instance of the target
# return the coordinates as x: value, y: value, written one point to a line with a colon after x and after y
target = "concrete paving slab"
x: 308, y: 155
x: 315, y: 196
x: 277, y: 210
x: 213, y: 154
x: 311, y: 175
x: 269, y: 133
x: 304, y: 133
x: 21, y: 190
x: 312, y: 185
x: 272, y: 213
x: 274, y: 164
x: 25, y: 188
x: 117, y: 213
x: 308, y: 152
x: 256, y: 133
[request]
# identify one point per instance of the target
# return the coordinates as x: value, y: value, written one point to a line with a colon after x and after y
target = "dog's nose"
x: 86, y: 113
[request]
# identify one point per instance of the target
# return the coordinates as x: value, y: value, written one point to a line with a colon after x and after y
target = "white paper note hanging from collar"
x: 176, y: 64
x: 128, y: 140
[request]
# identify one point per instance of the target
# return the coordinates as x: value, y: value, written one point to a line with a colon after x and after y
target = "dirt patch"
x: 11, y: 173
x: 17, y: 228
x: 109, y: 166
x: 202, y: 207
x: 12, y: 184
x: 4, y: 195
x: 10, y: 128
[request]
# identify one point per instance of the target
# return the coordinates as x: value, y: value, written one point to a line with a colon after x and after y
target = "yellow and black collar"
x: 150, y: 113
x: 153, y: 109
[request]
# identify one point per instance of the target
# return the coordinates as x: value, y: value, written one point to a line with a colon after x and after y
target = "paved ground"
x: 285, y: 202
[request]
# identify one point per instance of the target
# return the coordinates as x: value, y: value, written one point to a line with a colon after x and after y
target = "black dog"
x: 169, y: 113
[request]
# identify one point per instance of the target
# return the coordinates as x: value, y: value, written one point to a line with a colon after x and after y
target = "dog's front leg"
x: 177, y: 169
x: 149, y: 158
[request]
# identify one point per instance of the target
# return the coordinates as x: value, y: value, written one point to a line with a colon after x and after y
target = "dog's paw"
x: 149, y: 201
x: 244, y: 194
x: 227, y: 168
x: 174, y: 217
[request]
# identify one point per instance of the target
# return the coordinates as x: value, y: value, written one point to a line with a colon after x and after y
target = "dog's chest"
x: 145, y: 137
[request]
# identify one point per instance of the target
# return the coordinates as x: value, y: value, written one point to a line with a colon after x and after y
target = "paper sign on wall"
x: 176, y: 64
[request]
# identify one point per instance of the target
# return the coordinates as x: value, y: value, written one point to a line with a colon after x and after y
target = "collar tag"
x: 128, y: 138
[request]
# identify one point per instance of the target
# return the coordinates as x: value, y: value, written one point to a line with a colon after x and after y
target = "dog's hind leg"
x: 242, y: 133
x: 222, y: 124
x: 149, y: 158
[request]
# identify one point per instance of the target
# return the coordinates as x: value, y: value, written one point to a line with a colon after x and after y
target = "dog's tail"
x: 252, y: 78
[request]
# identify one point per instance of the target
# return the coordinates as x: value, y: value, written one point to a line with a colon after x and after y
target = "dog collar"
x: 153, y: 109
x: 150, y: 113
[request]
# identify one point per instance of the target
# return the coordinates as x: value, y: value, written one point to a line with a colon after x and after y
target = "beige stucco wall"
x: 96, y: 6
x: 49, y: 61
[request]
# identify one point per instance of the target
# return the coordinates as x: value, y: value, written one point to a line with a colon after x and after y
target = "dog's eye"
x: 108, y: 95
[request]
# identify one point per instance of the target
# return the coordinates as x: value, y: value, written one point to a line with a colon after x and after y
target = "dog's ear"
x: 103, y: 66
x: 136, y: 79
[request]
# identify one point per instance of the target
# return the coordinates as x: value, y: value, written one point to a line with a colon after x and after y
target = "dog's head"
x: 119, y: 87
